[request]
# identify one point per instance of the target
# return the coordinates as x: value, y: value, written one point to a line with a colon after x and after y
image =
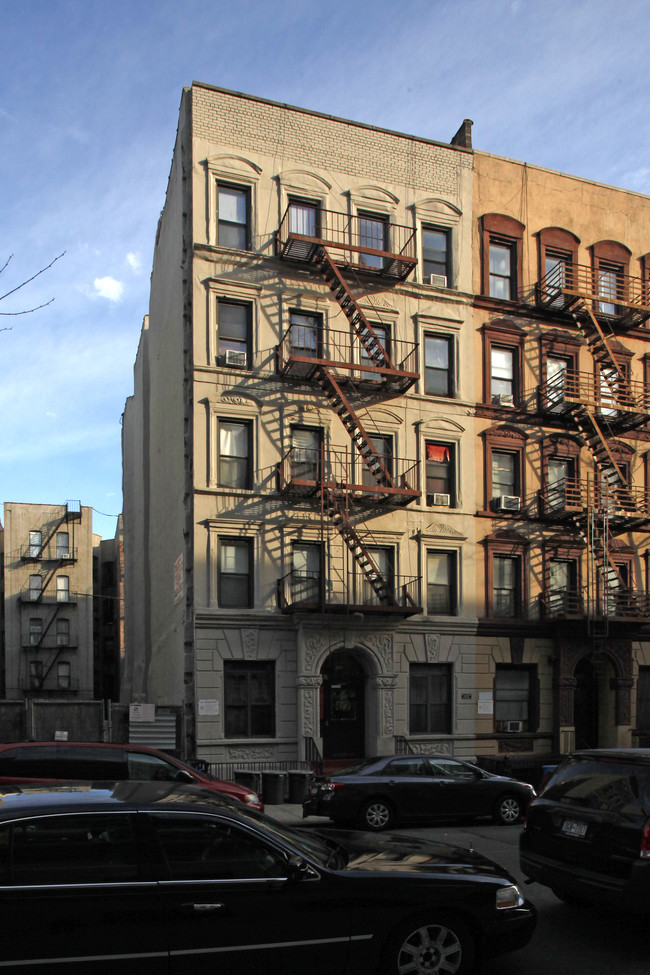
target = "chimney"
x: 464, y: 135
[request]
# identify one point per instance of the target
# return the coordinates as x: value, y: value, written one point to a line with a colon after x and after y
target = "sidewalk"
x: 291, y: 814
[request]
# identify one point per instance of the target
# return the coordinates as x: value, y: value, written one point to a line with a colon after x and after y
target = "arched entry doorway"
x: 342, y: 710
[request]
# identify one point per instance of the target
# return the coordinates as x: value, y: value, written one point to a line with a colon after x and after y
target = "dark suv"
x: 587, y: 835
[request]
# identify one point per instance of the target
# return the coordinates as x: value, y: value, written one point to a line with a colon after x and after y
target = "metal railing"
x: 314, y: 593
x: 302, y: 349
x: 305, y: 469
x: 612, y: 291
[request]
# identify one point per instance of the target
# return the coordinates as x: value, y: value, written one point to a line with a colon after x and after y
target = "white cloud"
x: 134, y: 262
x: 109, y: 288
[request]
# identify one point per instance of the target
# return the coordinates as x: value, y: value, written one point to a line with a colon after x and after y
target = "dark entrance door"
x: 342, y: 707
x: 585, y: 706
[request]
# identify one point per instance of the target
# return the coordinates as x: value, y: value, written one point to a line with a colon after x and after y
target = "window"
x: 435, y: 253
x: 513, y: 698
x: 610, y: 286
x: 502, y: 270
x: 561, y: 488
x: 35, y: 673
x: 62, y: 589
x: 557, y: 257
x: 306, y: 334
x: 505, y: 471
x: 305, y: 453
x: 502, y: 240
x: 430, y: 699
x: 233, y: 229
x: 234, y: 454
x: 440, y: 474
x: 506, y: 586
x: 249, y: 693
x: 384, y: 562
x: 441, y: 583
x: 438, y: 375
x: 502, y: 376
x: 372, y: 234
x: 62, y: 632
x: 35, y: 587
x: 383, y: 340
x: 304, y: 218
x: 306, y: 573
x: 200, y: 849
x: 563, y: 596
x: 35, y: 630
x: 62, y: 545
x: 63, y: 675
x: 556, y: 379
x: 234, y: 573
x: 643, y: 700
x: 35, y: 544
x: 383, y: 447
x: 234, y: 330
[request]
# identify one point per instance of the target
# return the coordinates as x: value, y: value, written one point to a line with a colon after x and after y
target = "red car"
x: 48, y: 761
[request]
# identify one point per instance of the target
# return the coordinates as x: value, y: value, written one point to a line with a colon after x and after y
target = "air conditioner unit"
x: 514, y: 726
x: 236, y: 358
x: 438, y: 280
x: 508, y: 502
x: 442, y: 499
x: 503, y: 399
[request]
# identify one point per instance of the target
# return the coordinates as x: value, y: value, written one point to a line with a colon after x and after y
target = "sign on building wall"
x: 142, y: 712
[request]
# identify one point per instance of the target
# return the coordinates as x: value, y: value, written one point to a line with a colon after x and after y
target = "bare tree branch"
x: 27, y: 311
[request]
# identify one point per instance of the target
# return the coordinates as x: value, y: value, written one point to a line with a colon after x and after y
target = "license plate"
x: 571, y: 827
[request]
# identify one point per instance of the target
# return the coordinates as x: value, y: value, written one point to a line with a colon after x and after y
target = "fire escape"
x: 347, y: 366
x: 601, y: 405
x: 41, y: 552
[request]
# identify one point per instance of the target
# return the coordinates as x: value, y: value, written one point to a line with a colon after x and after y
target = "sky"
x: 89, y: 99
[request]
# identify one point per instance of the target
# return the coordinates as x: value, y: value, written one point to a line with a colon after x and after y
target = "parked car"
x: 158, y: 877
x: 587, y: 835
x: 379, y: 792
x: 48, y: 761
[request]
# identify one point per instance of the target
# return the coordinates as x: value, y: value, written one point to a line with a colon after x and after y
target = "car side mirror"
x: 298, y: 869
x: 183, y: 776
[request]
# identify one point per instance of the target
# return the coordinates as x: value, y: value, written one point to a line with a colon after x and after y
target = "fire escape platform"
x: 630, y: 298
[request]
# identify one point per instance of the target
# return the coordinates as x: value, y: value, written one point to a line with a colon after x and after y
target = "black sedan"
x: 415, y: 788
x: 160, y: 878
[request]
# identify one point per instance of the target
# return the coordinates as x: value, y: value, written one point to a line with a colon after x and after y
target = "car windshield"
x: 324, y: 850
x: 606, y: 784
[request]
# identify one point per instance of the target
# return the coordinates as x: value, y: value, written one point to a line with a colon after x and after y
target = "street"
x: 568, y: 940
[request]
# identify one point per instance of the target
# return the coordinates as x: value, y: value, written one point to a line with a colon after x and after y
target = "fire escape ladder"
x: 335, y: 511
x: 603, y: 457
x: 340, y: 404
x: 612, y: 373
x: 346, y: 300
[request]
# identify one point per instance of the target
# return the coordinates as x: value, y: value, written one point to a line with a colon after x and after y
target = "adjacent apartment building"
x: 47, y: 601
x: 385, y: 462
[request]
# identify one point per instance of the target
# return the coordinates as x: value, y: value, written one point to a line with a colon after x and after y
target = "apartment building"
x: 47, y: 590
x: 562, y: 352
x: 299, y: 452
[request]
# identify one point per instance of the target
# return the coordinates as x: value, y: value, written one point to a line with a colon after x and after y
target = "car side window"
x: 143, y: 766
x: 406, y: 767
x: 206, y: 849
x: 73, y: 849
x: 453, y: 770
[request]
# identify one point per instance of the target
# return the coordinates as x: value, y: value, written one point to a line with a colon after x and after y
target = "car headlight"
x: 251, y: 797
x: 508, y: 898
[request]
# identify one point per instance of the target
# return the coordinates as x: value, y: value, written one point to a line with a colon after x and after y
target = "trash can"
x: 298, y: 785
x: 273, y: 784
x: 250, y: 780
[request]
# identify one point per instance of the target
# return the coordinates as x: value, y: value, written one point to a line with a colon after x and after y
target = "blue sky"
x: 89, y: 97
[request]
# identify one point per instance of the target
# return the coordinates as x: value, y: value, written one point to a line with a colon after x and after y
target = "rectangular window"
x: 305, y: 454
x: 438, y: 374
x: 556, y: 376
x: 505, y: 586
x: 35, y: 544
x: 430, y: 699
x: 383, y: 559
x: 502, y: 268
x: 35, y: 630
x: 383, y: 447
x: 249, y: 693
x: 234, y: 573
x: 62, y: 545
x: 512, y: 698
x: 35, y: 586
x: 563, y: 597
x: 610, y: 286
x: 306, y: 574
x: 306, y: 335
x: 558, y: 274
x: 383, y: 340
x: 63, y: 675
x: 505, y: 474
x: 372, y: 234
x: 441, y: 583
x: 435, y: 254
x: 62, y: 589
x: 233, y: 204
x: 35, y: 673
x: 304, y: 218
x: 234, y: 332
x: 440, y: 474
x: 502, y: 376
x: 234, y: 469
x: 560, y: 483
x: 62, y: 632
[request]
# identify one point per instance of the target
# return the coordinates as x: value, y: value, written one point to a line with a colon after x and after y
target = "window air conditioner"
x: 235, y: 358
x: 503, y: 399
x: 442, y: 499
x: 514, y: 726
x: 438, y: 280
x: 508, y: 502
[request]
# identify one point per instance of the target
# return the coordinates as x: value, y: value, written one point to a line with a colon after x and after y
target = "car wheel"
x: 507, y: 810
x: 443, y: 944
x: 377, y: 815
